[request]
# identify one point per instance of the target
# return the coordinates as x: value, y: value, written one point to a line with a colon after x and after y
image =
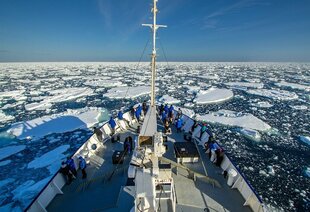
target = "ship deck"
x: 105, y: 187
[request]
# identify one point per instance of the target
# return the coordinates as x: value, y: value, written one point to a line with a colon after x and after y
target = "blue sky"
x: 198, y: 30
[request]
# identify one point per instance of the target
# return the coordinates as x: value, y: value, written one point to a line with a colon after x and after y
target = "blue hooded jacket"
x: 163, y: 116
x: 70, y: 163
x: 112, y: 123
x: 120, y: 115
x: 179, y: 123
x: 82, y: 163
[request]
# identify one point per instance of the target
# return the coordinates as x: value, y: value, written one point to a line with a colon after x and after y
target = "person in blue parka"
x: 179, y: 124
x: 70, y: 163
x: 112, y: 124
x: 82, y: 166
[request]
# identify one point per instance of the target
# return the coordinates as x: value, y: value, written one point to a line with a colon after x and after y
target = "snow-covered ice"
x: 127, y: 92
x: 305, y: 139
x: 5, y: 162
x: 25, y: 192
x: 232, y: 118
x: 4, y: 118
x: 60, y: 95
x: 186, y: 111
x: 293, y: 85
x: 274, y: 94
x: 57, y: 123
x: 168, y: 100
x: 262, y: 104
x: 213, y: 95
x: 10, y: 150
x: 244, y: 85
x: 49, y: 158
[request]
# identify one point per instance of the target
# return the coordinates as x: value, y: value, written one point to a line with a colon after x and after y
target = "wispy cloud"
x: 105, y: 11
x: 211, y: 20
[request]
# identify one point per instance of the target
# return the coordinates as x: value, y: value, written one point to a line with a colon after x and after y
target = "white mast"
x: 154, y: 28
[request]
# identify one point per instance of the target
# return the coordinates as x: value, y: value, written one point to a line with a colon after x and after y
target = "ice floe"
x: 299, y: 107
x: 188, y: 112
x: 168, y: 100
x: 127, y: 92
x: 58, y: 123
x: 25, y: 192
x: 10, y: 150
x: 213, y: 95
x: 5, y: 118
x: 251, y: 134
x: 274, y: 94
x: 49, y: 158
x: 307, y: 172
x: 232, y: 118
x: 262, y: 104
x: 293, y: 85
x: 107, y: 83
x: 244, y: 85
x: 305, y: 139
x: 5, y: 162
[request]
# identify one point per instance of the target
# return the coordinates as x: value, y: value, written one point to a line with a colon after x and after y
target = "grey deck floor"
x: 199, y: 195
x: 98, y: 192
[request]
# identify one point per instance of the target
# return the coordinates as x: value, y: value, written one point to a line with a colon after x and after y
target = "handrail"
x: 38, y: 195
x: 238, y: 170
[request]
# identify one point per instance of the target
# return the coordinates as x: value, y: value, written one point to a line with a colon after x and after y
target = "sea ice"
x: 232, y: 118
x: 10, y: 150
x: 307, y: 171
x: 5, y: 162
x: 244, y: 85
x: 274, y: 94
x: 106, y: 83
x: 262, y: 104
x: 305, y: 139
x: 127, y: 92
x: 57, y: 123
x: 5, y: 118
x: 299, y: 107
x: 49, y: 158
x: 293, y: 85
x: 169, y: 100
x: 190, y: 113
x: 25, y: 192
x: 213, y: 95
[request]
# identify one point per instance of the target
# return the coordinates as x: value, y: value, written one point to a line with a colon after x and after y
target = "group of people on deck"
x: 167, y: 116
x: 69, y: 170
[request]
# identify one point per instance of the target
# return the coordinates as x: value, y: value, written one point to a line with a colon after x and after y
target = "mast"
x: 154, y: 28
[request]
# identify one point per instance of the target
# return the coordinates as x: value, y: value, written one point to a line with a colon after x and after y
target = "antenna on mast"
x: 154, y: 28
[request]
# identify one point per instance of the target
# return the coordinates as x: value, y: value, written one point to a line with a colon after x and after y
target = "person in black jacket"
x: 65, y: 170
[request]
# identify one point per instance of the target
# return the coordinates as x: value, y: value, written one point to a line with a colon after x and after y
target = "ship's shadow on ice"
x: 41, y: 127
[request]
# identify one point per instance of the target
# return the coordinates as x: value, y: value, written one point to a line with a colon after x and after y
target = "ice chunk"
x: 244, y: 85
x: 25, y: 192
x: 299, y: 107
x: 107, y: 83
x: 213, y: 95
x: 127, y: 92
x: 271, y: 170
x: 293, y: 85
x: 251, y: 134
x: 57, y: 123
x: 274, y: 94
x: 5, y: 162
x: 232, y: 118
x: 169, y: 100
x: 5, y: 118
x: 10, y: 150
x: 38, y: 106
x: 307, y: 172
x: 56, y: 155
x: 305, y: 139
x: 262, y: 104
x: 190, y: 113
